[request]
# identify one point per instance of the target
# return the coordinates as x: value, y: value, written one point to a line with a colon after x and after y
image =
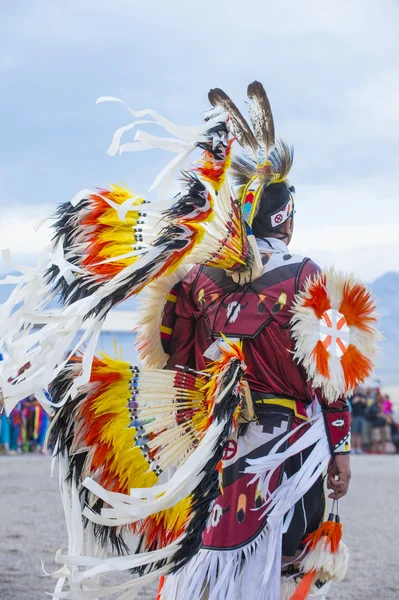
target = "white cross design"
x: 334, y: 332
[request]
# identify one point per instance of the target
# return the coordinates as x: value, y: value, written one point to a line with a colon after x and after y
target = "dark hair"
x: 274, y: 198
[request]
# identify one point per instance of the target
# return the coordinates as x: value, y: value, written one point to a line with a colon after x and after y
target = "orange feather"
x: 317, y: 297
x: 330, y: 531
x: 358, y: 307
x: 321, y: 356
x: 356, y: 366
x: 303, y: 589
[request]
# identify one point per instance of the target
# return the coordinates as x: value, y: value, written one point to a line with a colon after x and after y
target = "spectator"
x: 387, y: 407
x: 4, y: 433
x: 395, y: 430
x: 4, y: 425
x: 387, y: 410
x: 32, y: 421
x: 378, y: 425
x: 359, y: 405
x: 15, y: 429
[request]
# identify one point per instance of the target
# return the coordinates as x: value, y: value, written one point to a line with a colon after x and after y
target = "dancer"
x: 212, y: 450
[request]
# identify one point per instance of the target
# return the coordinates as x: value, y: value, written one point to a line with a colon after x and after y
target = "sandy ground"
x: 32, y: 528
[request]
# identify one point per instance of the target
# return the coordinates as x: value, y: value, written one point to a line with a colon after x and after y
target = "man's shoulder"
x: 191, y: 276
x: 311, y: 266
x: 308, y: 270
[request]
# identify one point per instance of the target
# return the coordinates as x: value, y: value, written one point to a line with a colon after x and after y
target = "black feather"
x: 243, y: 169
x: 62, y: 437
x: 208, y: 489
x: 218, y: 151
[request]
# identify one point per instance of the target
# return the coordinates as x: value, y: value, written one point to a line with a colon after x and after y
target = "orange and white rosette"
x: 334, y: 330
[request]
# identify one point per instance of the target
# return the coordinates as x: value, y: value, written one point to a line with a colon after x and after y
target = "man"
x: 246, y: 438
x: 378, y: 425
x: 259, y: 313
x: 359, y: 406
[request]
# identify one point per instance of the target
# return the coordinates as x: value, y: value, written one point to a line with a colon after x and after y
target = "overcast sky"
x: 331, y: 70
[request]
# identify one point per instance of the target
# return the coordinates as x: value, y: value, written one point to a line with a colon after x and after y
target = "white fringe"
x: 224, y: 574
x: 182, y: 144
x: 259, y: 574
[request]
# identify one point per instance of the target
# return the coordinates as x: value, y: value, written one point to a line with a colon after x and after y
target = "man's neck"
x: 271, y: 244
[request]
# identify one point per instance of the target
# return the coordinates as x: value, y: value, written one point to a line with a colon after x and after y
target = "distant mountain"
x: 386, y: 292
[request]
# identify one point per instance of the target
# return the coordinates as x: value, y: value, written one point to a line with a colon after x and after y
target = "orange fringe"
x: 356, y: 366
x: 303, y: 589
x: 321, y: 356
x: 358, y: 306
x: 330, y: 531
x: 317, y: 297
x: 160, y: 587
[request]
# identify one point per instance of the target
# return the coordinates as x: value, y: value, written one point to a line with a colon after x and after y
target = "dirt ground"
x: 32, y: 529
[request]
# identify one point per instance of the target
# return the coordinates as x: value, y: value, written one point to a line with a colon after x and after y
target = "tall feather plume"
x: 243, y: 168
x: 281, y: 157
x: 261, y: 116
x: 241, y: 130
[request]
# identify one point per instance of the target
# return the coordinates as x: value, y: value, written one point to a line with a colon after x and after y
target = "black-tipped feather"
x: 62, y: 437
x: 243, y: 168
x: 240, y: 127
x: 261, y: 116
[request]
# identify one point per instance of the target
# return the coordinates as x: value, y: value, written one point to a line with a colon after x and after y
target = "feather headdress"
x: 269, y: 160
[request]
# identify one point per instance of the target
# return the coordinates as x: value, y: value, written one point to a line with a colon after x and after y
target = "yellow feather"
x: 127, y: 463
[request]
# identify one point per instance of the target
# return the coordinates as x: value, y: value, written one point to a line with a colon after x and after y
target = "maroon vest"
x: 245, y: 311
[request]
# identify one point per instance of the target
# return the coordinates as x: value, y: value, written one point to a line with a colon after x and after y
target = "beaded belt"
x: 297, y: 407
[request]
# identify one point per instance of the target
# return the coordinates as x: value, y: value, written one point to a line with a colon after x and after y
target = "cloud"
x: 18, y: 230
x: 367, y: 250
x: 331, y: 70
x: 367, y: 262
x: 374, y: 103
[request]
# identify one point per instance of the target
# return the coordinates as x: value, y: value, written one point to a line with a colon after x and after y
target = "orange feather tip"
x: 317, y: 297
x: 358, y: 307
x: 329, y: 532
x: 303, y: 589
x: 356, y: 366
x: 321, y: 356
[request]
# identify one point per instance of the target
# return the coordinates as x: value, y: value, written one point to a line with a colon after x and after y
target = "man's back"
x: 209, y: 304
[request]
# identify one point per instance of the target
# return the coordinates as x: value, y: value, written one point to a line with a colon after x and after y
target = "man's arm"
x: 336, y: 419
x: 178, y: 324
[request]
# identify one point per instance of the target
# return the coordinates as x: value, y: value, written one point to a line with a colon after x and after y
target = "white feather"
x: 329, y: 565
x: 305, y: 327
x: 151, y: 303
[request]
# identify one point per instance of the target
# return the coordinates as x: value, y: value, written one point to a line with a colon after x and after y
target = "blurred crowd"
x: 375, y: 423
x: 25, y: 429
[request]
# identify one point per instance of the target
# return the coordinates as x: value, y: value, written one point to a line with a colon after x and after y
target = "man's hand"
x: 338, y: 475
